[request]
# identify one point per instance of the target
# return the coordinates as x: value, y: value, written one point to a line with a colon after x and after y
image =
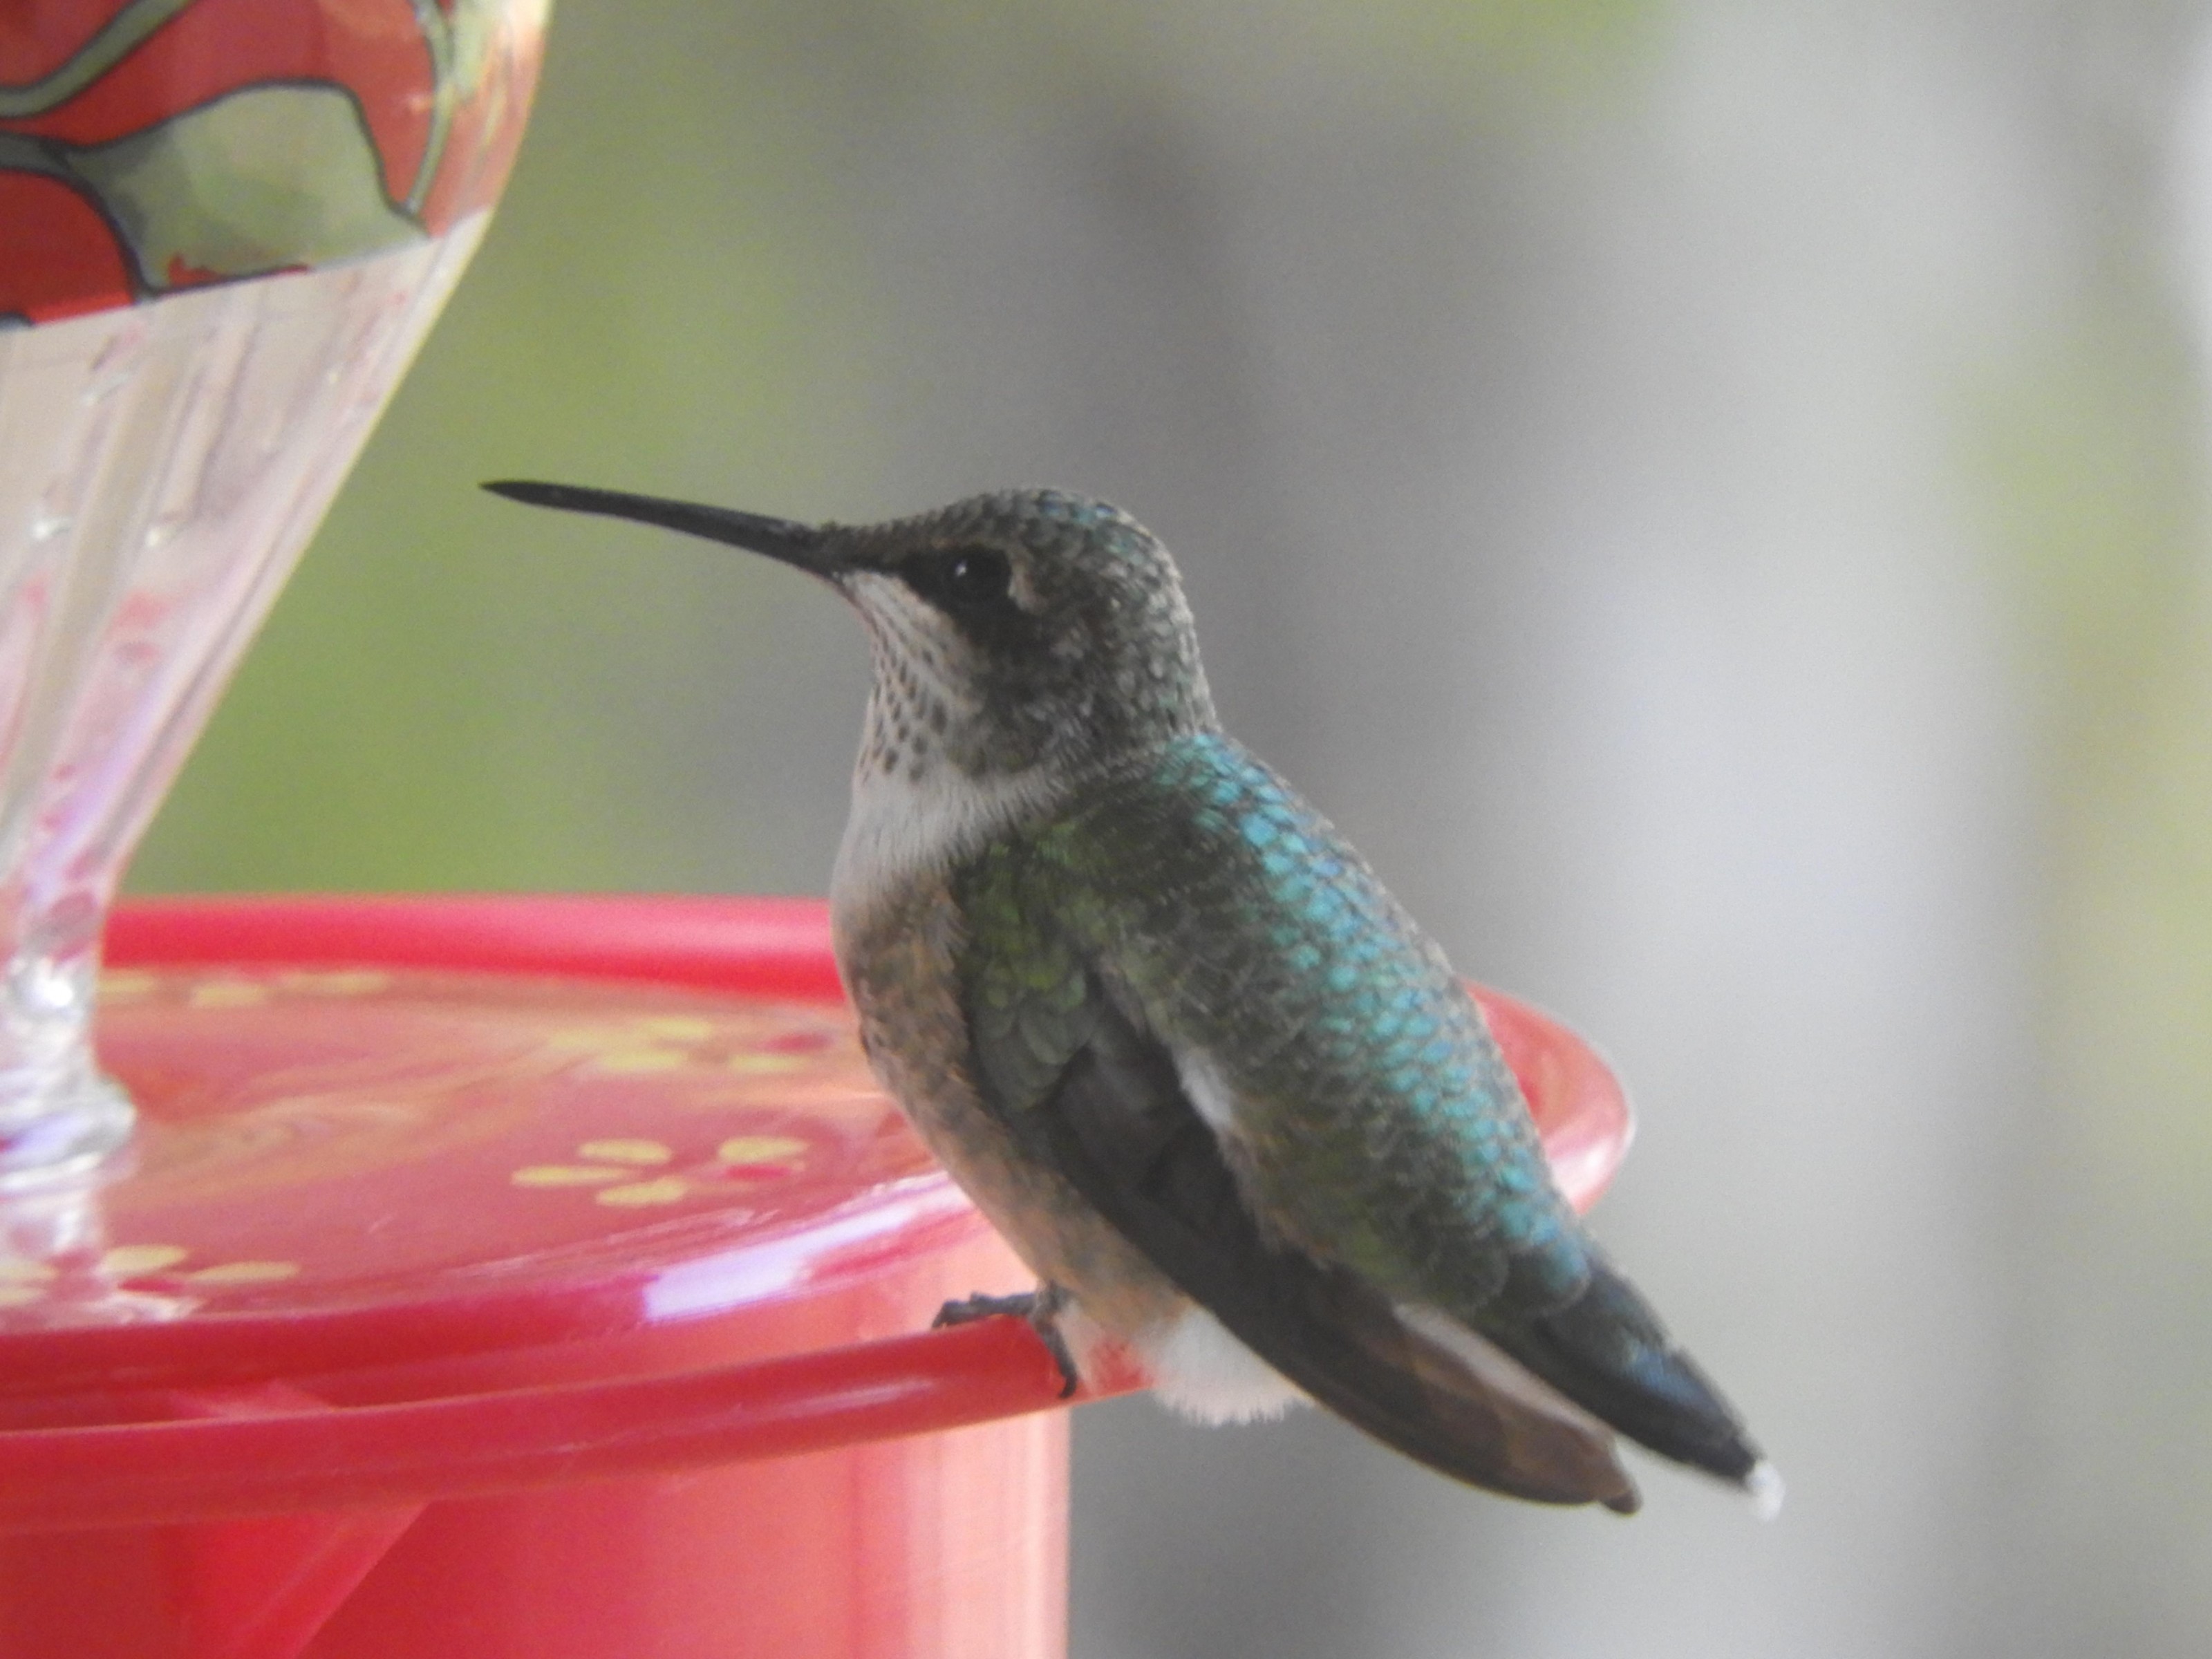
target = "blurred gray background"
x: 1711, y: 495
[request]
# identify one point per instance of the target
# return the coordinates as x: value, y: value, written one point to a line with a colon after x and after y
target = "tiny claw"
x: 968, y: 1309
x: 1038, y: 1308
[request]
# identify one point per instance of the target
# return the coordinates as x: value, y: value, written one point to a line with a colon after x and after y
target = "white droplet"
x: 1762, y: 1486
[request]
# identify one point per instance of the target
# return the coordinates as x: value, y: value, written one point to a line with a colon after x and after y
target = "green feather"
x: 1376, y: 1123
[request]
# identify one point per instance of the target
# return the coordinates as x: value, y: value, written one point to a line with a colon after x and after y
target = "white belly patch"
x: 1203, y: 1372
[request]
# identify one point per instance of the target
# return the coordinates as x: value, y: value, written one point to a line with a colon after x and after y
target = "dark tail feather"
x: 1356, y: 1354
x: 1606, y: 1352
x: 1117, y: 1126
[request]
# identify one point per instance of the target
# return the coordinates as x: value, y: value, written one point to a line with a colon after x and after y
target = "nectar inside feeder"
x: 544, y: 1272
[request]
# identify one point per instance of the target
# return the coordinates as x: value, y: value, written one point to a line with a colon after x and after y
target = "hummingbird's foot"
x: 1041, y: 1308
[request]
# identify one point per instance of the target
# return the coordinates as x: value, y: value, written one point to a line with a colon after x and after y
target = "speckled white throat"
x: 917, y: 808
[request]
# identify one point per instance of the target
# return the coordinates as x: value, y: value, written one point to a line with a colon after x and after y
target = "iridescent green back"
x: 1377, y: 1124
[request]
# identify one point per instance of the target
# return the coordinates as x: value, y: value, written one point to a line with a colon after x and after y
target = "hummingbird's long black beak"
x: 799, y: 544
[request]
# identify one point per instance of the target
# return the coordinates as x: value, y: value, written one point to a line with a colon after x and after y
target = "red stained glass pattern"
x: 372, y: 48
x: 63, y: 259
x: 441, y: 100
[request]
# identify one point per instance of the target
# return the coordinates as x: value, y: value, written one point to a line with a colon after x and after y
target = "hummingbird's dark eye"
x: 961, y: 579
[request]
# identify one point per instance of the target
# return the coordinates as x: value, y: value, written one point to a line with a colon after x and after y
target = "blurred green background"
x: 1711, y: 497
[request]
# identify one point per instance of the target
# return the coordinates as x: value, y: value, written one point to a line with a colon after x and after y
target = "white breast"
x: 902, y: 829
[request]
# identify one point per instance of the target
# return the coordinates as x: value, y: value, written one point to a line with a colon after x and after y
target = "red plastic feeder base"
x: 535, y: 1277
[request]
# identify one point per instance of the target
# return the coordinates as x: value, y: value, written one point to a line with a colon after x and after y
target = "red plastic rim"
x: 773, y: 947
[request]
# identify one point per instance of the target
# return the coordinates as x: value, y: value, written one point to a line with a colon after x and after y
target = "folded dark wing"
x: 1116, y: 1122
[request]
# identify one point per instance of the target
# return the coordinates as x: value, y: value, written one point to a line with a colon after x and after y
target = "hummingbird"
x: 1176, y: 1040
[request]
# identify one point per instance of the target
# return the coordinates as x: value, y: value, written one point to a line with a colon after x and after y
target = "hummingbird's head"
x: 1030, y: 628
